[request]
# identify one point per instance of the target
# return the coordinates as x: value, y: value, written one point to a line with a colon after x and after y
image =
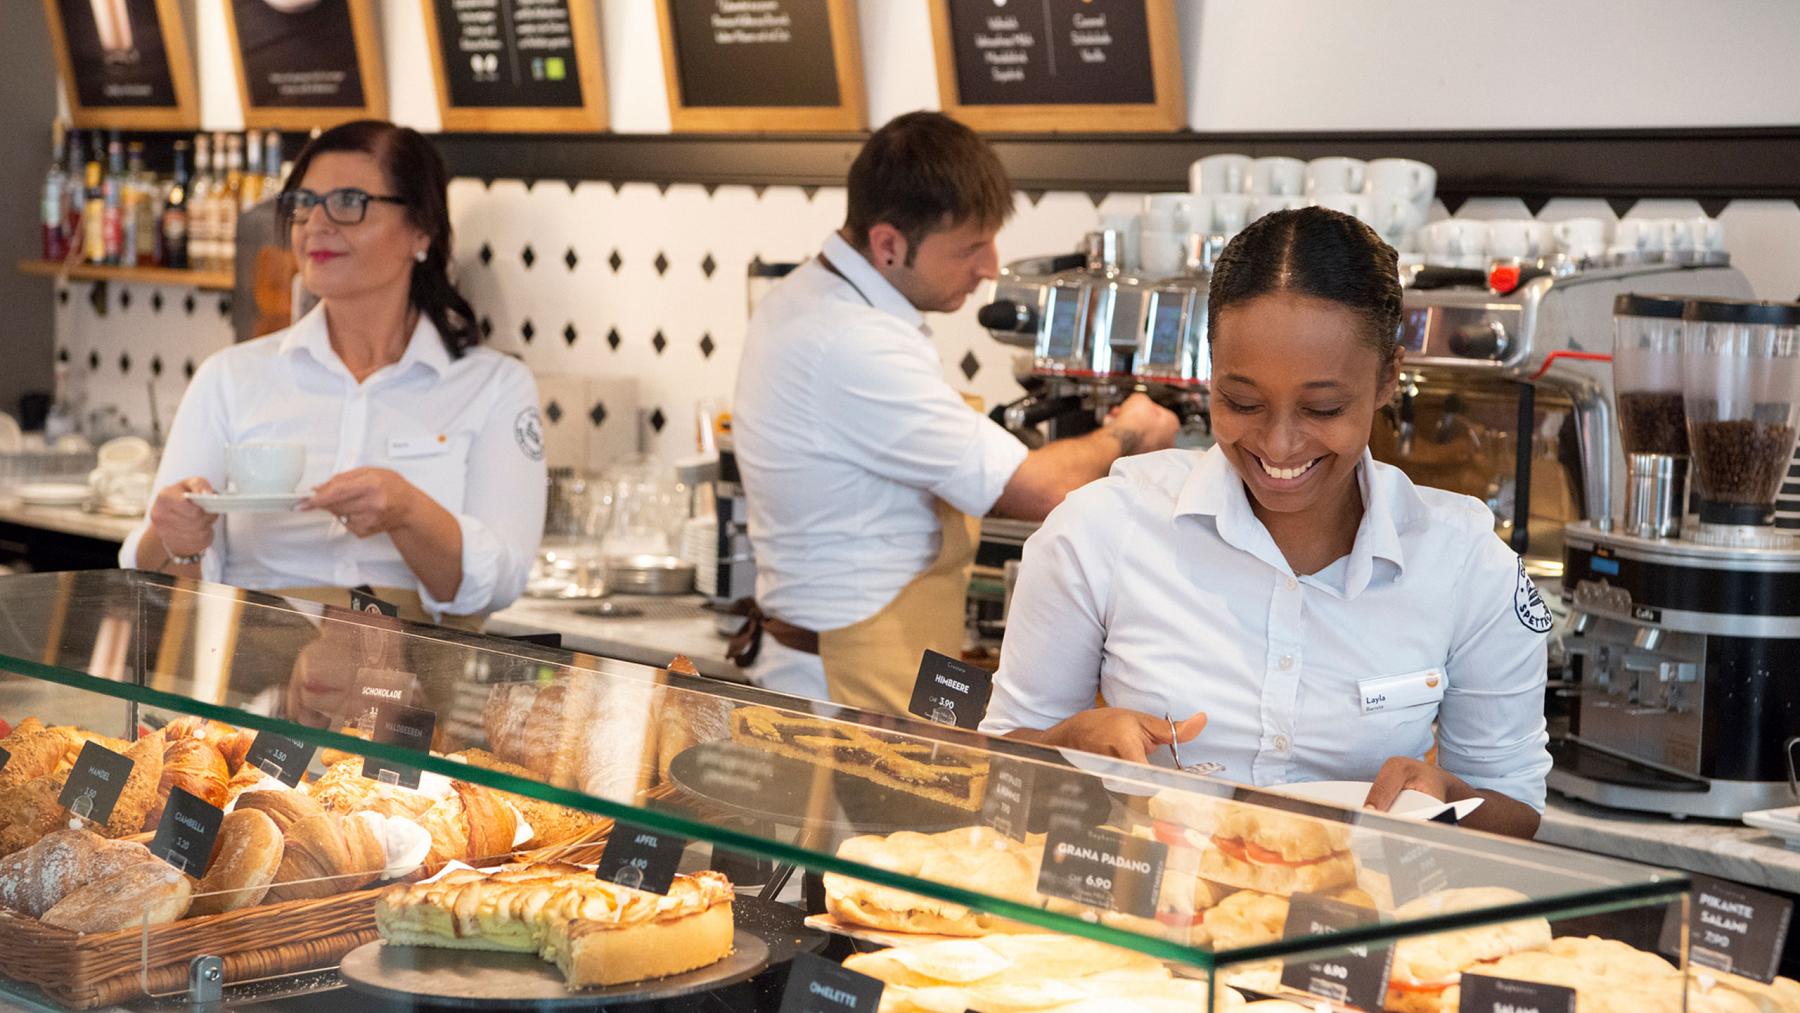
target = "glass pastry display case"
x: 210, y: 794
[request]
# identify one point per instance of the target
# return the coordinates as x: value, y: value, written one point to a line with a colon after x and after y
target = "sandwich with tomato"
x: 1426, y: 968
x: 1252, y: 848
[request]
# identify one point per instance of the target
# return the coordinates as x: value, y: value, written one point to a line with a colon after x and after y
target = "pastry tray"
x: 768, y: 934
x: 795, y: 793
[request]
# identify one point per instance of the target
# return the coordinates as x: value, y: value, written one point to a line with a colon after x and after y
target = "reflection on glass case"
x: 208, y: 789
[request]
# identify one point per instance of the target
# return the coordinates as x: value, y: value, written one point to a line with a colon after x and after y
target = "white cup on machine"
x: 1404, y: 177
x: 1456, y: 242
x: 1394, y: 217
x: 1266, y: 204
x: 1641, y: 239
x: 1520, y: 239
x: 1708, y: 235
x: 1349, y: 202
x: 1129, y: 226
x: 1581, y: 239
x: 1228, y: 214
x: 1335, y: 174
x: 1164, y: 252
x: 1173, y: 212
x: 1276, y: 176
x: 264, y: 468
x: 1217, y: 174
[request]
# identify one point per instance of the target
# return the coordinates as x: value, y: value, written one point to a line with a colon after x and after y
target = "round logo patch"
x: 1529, y: 606
x: 528, y: 429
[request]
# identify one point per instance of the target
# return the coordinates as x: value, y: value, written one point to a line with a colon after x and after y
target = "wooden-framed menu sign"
x: 517, y: 65
x: 1059, y: 65
x: 125, y: 64
x: 306, y: 63
x: 762, y: 65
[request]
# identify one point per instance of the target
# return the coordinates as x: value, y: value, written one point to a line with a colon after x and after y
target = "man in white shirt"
x: 863, y: 468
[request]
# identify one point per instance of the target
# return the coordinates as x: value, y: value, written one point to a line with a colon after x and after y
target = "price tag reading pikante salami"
x: 1102, y: 869
x: 640, y: 858
x: 817, y: 985
x: 951, y: 692
x: 94, y: 785
x: 1006, y: 807
x: 186, y: 834
x: 1731, y: 928
x: 1353, y: 976
x: 1482, y: 994
x: 282, y: 758
x: 406, y: 727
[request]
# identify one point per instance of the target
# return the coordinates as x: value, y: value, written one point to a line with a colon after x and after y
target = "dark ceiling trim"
x: 1703, y: 163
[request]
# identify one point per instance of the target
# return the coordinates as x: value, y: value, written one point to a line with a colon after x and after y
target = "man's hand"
x: 1141, y: 425
x: 183, y: 528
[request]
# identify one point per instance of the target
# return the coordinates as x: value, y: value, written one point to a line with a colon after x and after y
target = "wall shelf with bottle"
x: 206, y: 280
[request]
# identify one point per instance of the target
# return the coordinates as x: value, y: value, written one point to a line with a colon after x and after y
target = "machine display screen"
x: 1059, y: 330
x: 1165, y: 333
x: 1414, y: 328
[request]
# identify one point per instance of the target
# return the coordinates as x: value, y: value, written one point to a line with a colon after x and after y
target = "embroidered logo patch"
x: 528, y: 429
x: 1529, y: 605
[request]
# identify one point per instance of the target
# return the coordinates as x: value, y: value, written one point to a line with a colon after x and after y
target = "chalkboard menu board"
x: 762, y: 64
x: 1059, y: 64
x: 306, y: 63
x: 517, y: 65
x: 124, y: 63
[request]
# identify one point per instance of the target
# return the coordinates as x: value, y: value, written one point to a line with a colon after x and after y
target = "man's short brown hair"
x: 919, y: 170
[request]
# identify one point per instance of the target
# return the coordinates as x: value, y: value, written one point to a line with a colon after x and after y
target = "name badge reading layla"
x: 1393, y: 692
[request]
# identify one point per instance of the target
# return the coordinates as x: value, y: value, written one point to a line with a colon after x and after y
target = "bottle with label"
x: 131, y: 205
x: 93, y: 213
x: 174, y: 225
x: 250, y: 189
x: 272, y: 175
x: 225, y: 214
x: 112, y: 197
x: 149, y: 206
x: 199, y: 206
x: 52, y: 200
x: 74, y: 196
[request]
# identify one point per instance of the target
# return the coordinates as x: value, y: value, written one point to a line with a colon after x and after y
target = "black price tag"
x: 1482, y: 994
x: 1731, y: 928
x: 1413, y: 869
x: 189, y: 828
x: 1103, y: 869
x: 1007, y: 806
x: 94, y: 785
x: 373, y: 688
x: 5, y: 757
x: 951, y: 692
x: 816, y: 985
x: 1071, y: 801
x: 639, y: 858
x: 362, y: 599
x: 280, y: 757
x: 1356, y: 976
x: 734, y: 770
x: 406, y: 727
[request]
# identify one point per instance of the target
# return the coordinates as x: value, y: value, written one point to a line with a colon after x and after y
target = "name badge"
x: 402, y: 447
x: 1393, y: 692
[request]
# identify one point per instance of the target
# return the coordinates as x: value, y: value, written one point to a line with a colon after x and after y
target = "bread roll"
x: 244, y: 863
x: 35, y: 750
x: 313, y: 859
x: 195, y: 766
x: 32, y: 880
x: 285, y: 806
x: 146, y: 892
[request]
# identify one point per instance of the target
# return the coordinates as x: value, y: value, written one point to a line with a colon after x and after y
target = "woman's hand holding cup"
x: 181, y: 525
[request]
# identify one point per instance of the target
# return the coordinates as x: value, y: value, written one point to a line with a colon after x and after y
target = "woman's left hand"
x: 1402, y: 772
x: 366, y: 501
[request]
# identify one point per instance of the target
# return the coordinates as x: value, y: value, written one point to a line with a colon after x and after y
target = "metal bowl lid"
x: 1633, y: 304
x: 1732, y: 311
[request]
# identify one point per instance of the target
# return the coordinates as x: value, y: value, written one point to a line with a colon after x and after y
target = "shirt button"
x: 1287, y: 662
x: 1282, y: 743
x: 1292, y: 583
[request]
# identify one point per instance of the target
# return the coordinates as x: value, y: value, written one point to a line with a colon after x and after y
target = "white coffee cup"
x: 1220, y: 174
x: 1276, y: 176
x: 1581, y: 238
x: 1267, y: 204
x: 1708, y: 233
x: 1353, y: 203
x: 1394, y: 217
x: 1336, y: 175
x: 1175, y: 212
x: 1520, y: 238
x: 1165, y: 252
x: 264, y: 468
x: 1457, y: 242
x: 1644, y: 238
x: 1416, y: 181
x: 1230, y: 212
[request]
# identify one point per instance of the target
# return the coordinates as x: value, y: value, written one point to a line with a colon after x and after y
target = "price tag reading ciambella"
x: 1102, y: 869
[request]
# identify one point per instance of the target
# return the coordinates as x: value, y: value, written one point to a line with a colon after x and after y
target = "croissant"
x: 344, y: 789
x: 550, y: 823
x: 286, y: 807
x: 473, y: 823
x: 35, y: 751
x: 195, y: 766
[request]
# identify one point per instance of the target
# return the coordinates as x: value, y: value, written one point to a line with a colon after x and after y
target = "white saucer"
x: 1411, y: 805
x: 246, y: 502
x: 1783, y: 823
x: 54, y: 493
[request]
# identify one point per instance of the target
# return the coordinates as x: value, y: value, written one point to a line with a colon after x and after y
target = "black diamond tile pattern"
x: 528, y: 256
x: 62, y: 296
x: 62, y: 355
x: 612, y: 339
x: 188, y: 304
x: 661, y: 262
x: 569, y: 334
x: 571, y: 259
x: 124, y: 362
x: 187, y: 369
x: 706, y: 345
x: 487, y: 326
x: 486, y: 256
x: 156, y: 365
x: 93, y: 361
x: 598, y: 414
x: 553, y: 412
x: 124, y: 298
x: 156, y: 302
x: 224, y: 305
x: 970, y: 365
x: 708, y: 266
x: 659, y: 342
x: 616, y: 261
x: 657, y: 421
x: 527, y: 331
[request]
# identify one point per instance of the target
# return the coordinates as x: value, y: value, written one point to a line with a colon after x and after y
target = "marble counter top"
x: 66, y: 520
x: 670, y: 625
x: 1713, y: 848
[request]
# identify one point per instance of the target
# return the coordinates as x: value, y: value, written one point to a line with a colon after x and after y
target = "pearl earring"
x: 419, y: 255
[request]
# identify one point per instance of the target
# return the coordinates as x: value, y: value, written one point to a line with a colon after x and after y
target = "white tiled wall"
x: 574, y: 312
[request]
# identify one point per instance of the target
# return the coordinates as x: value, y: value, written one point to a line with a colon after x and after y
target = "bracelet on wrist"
x: 175, y: 560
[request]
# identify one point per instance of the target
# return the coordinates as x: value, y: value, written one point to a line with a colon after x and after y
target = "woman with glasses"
x: 423, y: 472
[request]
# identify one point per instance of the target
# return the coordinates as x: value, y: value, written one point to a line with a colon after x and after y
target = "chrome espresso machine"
x: 1684, y: 635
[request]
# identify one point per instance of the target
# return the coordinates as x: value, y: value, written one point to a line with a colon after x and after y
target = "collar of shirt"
x: 1214, y: 489
x: 861, y: 274
x: 311, y: 335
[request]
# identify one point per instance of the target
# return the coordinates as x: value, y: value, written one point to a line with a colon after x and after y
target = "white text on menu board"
x: 751, y: 22
x: 1090, y: 38
x: 1005, y: 48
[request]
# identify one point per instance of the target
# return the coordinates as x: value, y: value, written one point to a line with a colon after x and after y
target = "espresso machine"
x: 1684, y: 636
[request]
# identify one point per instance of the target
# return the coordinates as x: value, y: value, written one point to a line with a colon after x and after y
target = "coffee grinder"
x: 1684, y: 637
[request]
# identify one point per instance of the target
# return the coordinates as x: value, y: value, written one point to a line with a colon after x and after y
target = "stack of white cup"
x: 1393, y: 195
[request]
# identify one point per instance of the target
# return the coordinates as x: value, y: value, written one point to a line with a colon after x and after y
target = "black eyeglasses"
x: 345, y: 205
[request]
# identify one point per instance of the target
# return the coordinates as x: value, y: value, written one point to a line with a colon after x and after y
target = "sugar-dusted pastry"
x: 194, y: 765
x: 946, y: 774
x: 146, y: 892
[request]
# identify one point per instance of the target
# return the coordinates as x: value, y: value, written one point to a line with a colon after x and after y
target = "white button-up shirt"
x: 465, y: 432
x: 846, y: 433
x: 1159, y: 589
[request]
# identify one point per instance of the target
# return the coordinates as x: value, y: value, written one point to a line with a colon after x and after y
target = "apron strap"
x: 746, y: 643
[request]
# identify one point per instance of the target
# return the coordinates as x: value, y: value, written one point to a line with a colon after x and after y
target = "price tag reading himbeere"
x: 94, y: 785
x: 1483, y: 994
x: 1355, y: 975
x: 951, y: 692
x: 640, y: 858
x: 406, y: 727
x: 187, y: 832
x: 1103, y: 869
x: 1007, y: 805
x: 282, y: 758
x: 1731, y: 928
x: 817, y: 985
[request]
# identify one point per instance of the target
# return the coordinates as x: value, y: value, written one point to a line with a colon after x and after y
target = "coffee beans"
x: 1653, y: 422
x: 1741, y: 461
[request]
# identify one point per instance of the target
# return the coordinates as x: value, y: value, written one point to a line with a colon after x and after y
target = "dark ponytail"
x: 417, y: 175
x: 1315, y: 252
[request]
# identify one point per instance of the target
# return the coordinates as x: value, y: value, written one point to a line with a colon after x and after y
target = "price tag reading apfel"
x: 1102, y: 869
x: 1352, y: 976
x: 1731, y: 928
x: 951, y: 692
x: 640, y: 858
x: 95, y: 783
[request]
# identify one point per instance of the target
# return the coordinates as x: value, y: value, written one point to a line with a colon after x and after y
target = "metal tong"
x: 1202, y: 768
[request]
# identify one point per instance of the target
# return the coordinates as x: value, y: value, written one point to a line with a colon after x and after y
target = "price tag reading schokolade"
x: 1353, y: 976
x: 1103, y: 869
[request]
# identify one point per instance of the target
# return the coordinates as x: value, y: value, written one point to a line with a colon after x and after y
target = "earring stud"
x: 419, y: 255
